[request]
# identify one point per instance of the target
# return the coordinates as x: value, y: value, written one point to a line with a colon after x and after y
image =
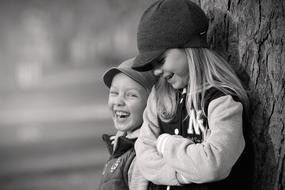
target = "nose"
x: 157, y: 71
x: 119, y: 101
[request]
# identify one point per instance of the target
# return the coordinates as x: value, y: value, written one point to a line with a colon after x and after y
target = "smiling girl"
x: 194, y: 134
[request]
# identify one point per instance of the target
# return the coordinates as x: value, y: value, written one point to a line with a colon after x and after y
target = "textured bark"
x: 251, y: 36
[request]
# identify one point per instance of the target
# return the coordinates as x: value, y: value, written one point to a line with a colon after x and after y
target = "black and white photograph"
x: 142, y: 95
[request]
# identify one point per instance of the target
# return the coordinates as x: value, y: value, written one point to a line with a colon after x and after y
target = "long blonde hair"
x: 206, y: 69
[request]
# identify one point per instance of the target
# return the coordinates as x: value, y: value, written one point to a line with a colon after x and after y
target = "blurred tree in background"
x: 37, y: 34
x: 53, y: 104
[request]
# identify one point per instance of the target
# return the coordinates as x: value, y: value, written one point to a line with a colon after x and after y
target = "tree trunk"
x: 251, y: 36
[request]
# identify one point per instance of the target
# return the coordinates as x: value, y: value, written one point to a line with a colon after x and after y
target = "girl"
x: 193, y: 135
x: 129, y: 90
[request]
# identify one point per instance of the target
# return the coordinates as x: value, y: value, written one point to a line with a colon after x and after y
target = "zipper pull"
x: 182, y: 95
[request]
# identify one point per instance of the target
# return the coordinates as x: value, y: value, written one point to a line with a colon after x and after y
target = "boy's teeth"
x: 121, y: 114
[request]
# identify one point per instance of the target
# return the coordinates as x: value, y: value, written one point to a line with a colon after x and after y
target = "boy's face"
x: 174, y: 68
x: 127, y: 100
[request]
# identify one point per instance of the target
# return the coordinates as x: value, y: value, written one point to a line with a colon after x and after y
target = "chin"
x: 177, y: 86
x: 119, y: 128
x: 122, y: 127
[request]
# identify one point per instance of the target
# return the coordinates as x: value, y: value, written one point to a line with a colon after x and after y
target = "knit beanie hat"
x: 169, y: 24
x: 146, y: 79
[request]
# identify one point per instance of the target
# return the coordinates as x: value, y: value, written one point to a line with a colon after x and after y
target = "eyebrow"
x: 160, y: 60
x: 162, y: 57
x: 128, y: 88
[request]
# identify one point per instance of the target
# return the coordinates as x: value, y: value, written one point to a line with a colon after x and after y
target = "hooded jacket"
x: 120, y: 171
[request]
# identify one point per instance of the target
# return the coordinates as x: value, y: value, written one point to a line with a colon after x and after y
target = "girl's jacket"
x: 120, y: 171
x: 199, y: 152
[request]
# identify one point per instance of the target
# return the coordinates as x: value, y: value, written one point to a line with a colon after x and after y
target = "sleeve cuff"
x: 161, y: 141
x: 182, y: 180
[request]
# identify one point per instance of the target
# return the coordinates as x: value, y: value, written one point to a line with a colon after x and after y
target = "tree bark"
x: 251, y: 36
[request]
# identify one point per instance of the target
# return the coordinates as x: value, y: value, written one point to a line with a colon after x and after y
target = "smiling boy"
x: 128, y: 94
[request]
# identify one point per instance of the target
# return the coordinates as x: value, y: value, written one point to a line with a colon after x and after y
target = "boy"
x: 129, y: 90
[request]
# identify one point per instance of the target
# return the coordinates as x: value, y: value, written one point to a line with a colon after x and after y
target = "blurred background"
x: 53, y: 104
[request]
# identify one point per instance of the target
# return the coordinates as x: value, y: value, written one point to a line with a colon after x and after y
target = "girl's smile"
x: 174, y: 68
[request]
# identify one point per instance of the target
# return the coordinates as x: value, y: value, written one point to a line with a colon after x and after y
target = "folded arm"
x: 213, y: 159
x: 150, y: 162
x: 135, y: 179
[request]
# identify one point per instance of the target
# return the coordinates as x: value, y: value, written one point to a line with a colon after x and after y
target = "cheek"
x: 137, y: 110
x: 182, y: 66
x: 110, y: 103
x: 183, y: 69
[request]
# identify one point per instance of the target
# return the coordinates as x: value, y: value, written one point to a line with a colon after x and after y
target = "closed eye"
x: 133, y: 95
x: 113, y: 92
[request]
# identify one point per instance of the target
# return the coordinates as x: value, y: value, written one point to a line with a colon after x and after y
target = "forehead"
x: 175, y: 55
x: 121, y: 80
x: 172, y: 58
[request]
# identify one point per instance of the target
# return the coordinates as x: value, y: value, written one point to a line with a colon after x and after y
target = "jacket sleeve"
x: 213, y: 159
x: 151, y: 164
x: 135, y: 179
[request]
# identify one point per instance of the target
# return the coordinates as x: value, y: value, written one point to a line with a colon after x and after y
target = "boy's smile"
x: 127, y: 100
x: 121, y: 115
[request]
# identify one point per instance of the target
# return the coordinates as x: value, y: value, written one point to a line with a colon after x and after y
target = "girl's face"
x: 174, y: 68
x: 127, y: 100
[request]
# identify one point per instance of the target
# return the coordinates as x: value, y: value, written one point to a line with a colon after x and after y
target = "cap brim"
x: 109, y: 75
x: 147, y: 60
x: 135, y: 75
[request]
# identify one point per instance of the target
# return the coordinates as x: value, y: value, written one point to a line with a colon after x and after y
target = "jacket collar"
x: 123, y: 142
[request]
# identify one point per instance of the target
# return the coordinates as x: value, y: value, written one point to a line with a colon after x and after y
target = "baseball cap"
x: 146, y: 79
x: 169, y: 24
